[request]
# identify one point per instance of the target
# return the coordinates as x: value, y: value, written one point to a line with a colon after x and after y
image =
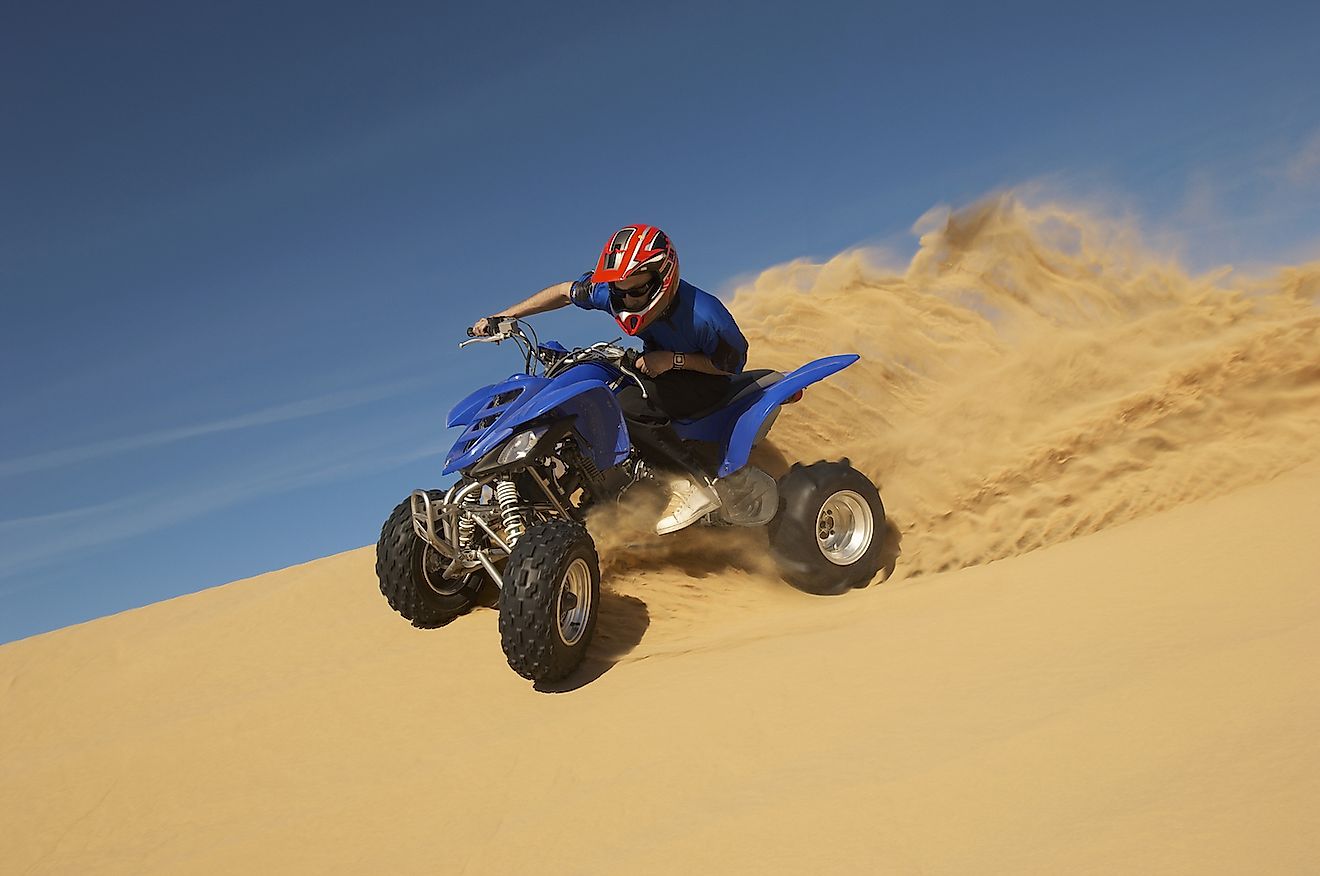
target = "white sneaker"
x: 688, y: 503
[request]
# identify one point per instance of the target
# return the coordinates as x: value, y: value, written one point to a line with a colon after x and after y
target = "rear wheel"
x: 550, y: 600
x: 826, y: 538
x: 410, y: 577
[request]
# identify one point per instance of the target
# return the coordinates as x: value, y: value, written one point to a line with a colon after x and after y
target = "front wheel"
x: 549, y: 601
x: 410, y: 577
x: 828, y: 534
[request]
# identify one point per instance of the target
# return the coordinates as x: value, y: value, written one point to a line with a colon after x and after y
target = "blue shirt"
x: 697, y: 322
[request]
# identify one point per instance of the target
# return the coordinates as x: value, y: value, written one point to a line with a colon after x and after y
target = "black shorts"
x: 674, y: 394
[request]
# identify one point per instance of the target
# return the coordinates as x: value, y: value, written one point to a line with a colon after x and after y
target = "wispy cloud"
x: 31, y: 542
x: 282, y: 413
x: 1303, y: 166
x: 1250, y: 210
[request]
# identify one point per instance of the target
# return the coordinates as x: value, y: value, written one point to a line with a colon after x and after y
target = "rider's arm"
x: 719, y: 337
x: 549, y: 298
x: 656, y: 362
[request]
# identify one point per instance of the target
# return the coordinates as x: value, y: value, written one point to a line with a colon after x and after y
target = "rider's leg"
x: 684, y: 393
x: 651, y: 432
x: 648, y: 419
x: 691, y: 495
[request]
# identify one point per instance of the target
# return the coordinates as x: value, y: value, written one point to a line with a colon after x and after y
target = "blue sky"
x: 239, y: 242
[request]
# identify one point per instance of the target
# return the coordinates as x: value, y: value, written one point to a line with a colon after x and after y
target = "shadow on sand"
x: 619, y: 628
x: 695, y: 554
x: 623, y: 619
x: 890, y: 550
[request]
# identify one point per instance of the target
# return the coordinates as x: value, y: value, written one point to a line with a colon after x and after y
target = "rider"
x: 690, y: 347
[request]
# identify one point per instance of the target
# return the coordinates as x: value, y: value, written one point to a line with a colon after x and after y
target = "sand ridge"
x: 1137, y: 700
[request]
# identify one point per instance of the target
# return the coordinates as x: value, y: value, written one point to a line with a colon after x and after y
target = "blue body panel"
x: 713, y: 427
x: 739, y: 426
x: 464, y: 411
x: 582, y: 391
x: 494, y: 413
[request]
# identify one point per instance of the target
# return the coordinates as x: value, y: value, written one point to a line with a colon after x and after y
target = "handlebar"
x: 506, y: 327
x: 509, y: 328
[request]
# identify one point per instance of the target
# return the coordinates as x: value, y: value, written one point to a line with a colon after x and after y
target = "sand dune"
x: 1130, y: 686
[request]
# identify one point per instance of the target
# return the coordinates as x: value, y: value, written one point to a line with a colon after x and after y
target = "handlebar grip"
x: 470, y: 332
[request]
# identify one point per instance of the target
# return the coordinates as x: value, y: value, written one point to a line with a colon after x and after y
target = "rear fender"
x: 747, y: 429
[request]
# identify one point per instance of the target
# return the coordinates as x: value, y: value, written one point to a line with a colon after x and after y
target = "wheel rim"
x: 844, y: 528
x: 573, y: 606
x: 433, y: 564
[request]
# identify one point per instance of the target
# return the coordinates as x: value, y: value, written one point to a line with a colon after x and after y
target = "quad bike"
x: 539, y: 450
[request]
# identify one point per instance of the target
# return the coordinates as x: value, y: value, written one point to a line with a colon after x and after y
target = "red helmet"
x: 636, y: 251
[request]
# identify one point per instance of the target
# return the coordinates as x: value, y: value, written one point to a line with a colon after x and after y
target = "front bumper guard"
x: 436, y: 523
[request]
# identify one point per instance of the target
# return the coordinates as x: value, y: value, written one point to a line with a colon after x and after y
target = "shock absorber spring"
x: 511, y: 513
x: 466, y: 529
x: 464, y: 496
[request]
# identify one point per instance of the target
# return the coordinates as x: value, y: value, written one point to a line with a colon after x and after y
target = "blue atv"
x: 540, y: 450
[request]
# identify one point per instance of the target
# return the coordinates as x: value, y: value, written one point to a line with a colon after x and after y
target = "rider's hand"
x: 483, y: 327
x: 655, y: 363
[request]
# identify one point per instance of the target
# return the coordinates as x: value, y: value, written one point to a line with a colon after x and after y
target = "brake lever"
x: 626, y: 368
x: 488, y: 339
x: 504, y: 329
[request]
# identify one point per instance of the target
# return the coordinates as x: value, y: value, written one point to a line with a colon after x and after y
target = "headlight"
x: 520, y: 445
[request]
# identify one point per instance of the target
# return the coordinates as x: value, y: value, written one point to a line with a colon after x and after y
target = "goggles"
x: 637, y: 296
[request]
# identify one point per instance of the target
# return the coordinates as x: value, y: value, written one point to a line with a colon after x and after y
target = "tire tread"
x: 397, y: 570
x: 802, y: 491
x: 532, y: 575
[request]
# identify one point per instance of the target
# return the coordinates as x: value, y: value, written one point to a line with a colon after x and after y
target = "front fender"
x: 599, y: 419
x: 463, y: 413
x: 748, y: 425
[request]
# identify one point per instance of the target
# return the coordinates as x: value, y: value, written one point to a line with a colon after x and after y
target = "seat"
x: 741, y: 386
